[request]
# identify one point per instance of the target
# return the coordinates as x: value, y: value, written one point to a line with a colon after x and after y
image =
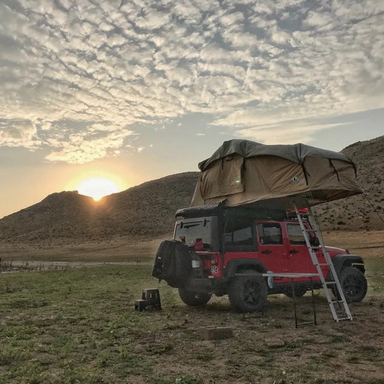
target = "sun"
x: 97, y: 187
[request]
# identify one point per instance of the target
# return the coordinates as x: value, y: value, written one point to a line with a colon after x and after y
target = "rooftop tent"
x: 273, y: 176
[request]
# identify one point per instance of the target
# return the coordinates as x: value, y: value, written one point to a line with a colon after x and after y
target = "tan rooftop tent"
x: 245, y: 172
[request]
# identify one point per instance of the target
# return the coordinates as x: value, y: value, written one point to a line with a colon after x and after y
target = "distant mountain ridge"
x: 147, y: 211
x: 140, y: 212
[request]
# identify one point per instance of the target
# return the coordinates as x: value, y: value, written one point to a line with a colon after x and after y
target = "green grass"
x: 79, y: 322
x: 79, y: 326
x: 375, y: 273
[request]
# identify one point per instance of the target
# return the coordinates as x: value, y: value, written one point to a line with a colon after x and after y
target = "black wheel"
x: 193, y: 298
x: 300, y: 291
x: 354, y: 284
x: 248, y: 293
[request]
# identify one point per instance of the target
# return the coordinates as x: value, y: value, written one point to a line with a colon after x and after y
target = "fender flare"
x: 234, y: 264
x: 341, y: 261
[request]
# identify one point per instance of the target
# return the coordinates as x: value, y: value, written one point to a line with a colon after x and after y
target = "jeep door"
x: 299, y: 259
x: 239, y: 240
x: 273, y: 251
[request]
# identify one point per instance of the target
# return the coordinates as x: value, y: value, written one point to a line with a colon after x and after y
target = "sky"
x: 136, y: 90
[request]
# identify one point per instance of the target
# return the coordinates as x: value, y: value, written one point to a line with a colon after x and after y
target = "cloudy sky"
x: 139, y: 89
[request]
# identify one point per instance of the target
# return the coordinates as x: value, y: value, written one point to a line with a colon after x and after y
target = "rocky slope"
x: 363, y: 211
x: 142, y: 212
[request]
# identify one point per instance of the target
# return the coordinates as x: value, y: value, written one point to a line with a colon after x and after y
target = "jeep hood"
x: 336, y: 251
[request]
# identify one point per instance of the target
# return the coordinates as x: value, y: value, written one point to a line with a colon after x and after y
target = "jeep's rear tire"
x: 248, y: 293
x: 193, y: 298
x: 354, y: 284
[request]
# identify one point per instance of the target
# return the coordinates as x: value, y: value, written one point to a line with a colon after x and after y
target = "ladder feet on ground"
x: 342, y: 303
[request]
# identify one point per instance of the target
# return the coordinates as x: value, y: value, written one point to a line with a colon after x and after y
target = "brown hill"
x: 363, y: 211
x: 147, y: 211
x: 64, y: 214
x: 140, y: 212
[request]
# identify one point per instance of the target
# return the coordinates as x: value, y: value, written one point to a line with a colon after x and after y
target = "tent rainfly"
x: 274, y: 176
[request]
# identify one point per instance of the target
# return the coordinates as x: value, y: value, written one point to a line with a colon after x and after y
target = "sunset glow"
x: 97, y: 187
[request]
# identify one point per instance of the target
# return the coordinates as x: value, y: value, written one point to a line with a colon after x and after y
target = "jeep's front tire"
x: 248, y: 293
x: 193, y: 298
x: 353, y: 283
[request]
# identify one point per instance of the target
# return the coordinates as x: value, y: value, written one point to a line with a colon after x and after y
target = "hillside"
x: 140, y: 212
x: 64, y: 214
x: 358, y: 212
x: 147, y: 211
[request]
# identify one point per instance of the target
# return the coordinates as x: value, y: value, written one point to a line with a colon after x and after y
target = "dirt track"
x: 17, y: 265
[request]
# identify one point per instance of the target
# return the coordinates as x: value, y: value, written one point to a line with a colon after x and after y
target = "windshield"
x: 204, y: 228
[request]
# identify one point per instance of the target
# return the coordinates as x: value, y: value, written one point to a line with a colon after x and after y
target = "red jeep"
x: 227, y: 250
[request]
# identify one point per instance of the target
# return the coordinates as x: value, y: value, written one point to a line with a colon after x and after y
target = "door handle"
x: 266, y: 251
x: 293, y: 251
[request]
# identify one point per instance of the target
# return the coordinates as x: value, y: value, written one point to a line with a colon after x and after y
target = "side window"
x: 239, y: 237
x: 295, y: 234
x: 270, y: 233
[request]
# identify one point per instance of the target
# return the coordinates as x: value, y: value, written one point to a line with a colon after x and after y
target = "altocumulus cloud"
x: 80, y: 77
x: 16, y: 133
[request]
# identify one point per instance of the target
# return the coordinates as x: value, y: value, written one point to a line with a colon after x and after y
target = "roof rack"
x: 291, y: 215
x: 243, y: 211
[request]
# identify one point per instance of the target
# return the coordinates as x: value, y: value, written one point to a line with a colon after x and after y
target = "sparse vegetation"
x: 79, y: 325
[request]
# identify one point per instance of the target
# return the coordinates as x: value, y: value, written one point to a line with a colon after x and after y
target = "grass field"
x: 366, y: 244
x: 79, y: 326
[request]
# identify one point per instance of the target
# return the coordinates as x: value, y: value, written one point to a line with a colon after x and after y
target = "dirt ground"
x: 364, y: 243
x: 114, y: 250
x: 267, y: 348
x: 80, y: 326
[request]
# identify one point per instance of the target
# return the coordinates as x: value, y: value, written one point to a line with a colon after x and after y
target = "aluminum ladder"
x: 339, y: 307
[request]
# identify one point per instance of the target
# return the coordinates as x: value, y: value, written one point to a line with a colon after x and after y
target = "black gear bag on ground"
x: 173, y: 263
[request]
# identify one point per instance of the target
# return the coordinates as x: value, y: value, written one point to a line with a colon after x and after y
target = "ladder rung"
x: 323, y: 264
x: 338, y: 301
x: 330, y: 282
x: 343, y: 319
x: 311, y: 230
